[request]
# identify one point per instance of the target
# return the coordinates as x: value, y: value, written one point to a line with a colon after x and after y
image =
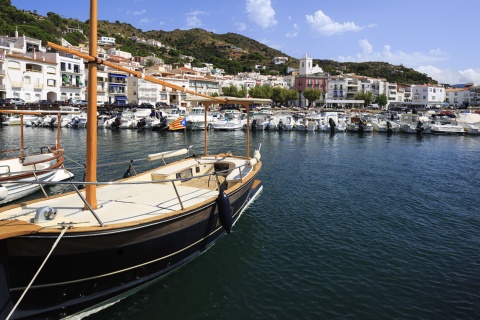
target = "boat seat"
x: 169, y: 171
x: 238, y: 174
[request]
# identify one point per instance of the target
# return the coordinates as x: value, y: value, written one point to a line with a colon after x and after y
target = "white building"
x: 457, y: 97
x: 72, y: 76
x: 119, y: 53
x: 103, y: 41
x: 279, y: 60
x: 428, y: 96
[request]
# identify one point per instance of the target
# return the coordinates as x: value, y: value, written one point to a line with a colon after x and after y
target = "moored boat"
x: 70, y: 254
x: 17, y: 173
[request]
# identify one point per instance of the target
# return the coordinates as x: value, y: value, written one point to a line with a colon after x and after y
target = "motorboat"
x: 196, y: 119
x: 445, y: 124
x: 14, y: 119
x: 69, y: 113
x: 382, y: 123
x: 284, y: 120
x: 359, y: 123
x: 414, y: 123
x: 311, y: 123
x: 230, y: 120
x: 20, y: 167
x: 81, y: 251
x: 470, y: 122
x: 331, y: 121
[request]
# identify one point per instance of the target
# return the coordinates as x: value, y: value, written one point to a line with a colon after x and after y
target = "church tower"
x: 306, y: 65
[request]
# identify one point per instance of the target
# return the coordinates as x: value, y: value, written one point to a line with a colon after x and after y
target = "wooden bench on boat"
x: 233, y: 169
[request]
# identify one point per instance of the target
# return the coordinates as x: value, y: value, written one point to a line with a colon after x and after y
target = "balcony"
x: 2, y: 73
x: 38, y: 86
x: 17, y: 84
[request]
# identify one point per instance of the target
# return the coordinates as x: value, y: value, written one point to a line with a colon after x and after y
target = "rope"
x: 36, y: 274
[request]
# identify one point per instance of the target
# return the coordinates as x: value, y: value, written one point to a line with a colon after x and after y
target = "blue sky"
x: 438, y: 38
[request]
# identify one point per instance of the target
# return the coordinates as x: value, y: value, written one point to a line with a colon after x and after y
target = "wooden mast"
x: 91, y: 157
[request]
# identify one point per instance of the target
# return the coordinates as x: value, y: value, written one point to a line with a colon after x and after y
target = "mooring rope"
x: 38, y: 271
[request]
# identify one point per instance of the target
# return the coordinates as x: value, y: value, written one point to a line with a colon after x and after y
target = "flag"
x: 178, y: 124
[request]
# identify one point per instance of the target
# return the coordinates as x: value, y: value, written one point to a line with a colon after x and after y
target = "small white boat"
x: 470, y: 122
x: 414, y: 123
x: 381, y: 123
x: 14, y: 120
x: 42, y: 165
x: 358, y: 123
x: 331, y: 121
x: 445, y: 124
x: 230, y: 120
x: 196, y: 119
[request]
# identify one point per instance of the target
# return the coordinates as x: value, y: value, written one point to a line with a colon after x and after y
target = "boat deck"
x: 117, y: 203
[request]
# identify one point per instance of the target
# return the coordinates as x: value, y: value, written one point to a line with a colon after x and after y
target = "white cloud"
x: 193, y: 20
x: 137, y: 13
x: 146, y: 20
x: 241, y: 26
x: 422, y: 62
x: 411, y: 60
x: 293, y: 33
x: 261, y: 13
x: 451, y: 76
x: 323, y: 25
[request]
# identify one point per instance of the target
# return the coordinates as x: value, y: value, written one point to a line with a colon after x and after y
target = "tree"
x: 367, y: 97
x: 381, y: 100
x: 312, y: 95
x: 233, y: 91
x: 263, y: 92
x: 149, y: 63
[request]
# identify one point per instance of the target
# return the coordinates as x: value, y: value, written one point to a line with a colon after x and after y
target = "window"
x: 51, y: 70
x: 62, y: 66
x: 13, y: 65
x: 27, y: 80
x: 51, y: 82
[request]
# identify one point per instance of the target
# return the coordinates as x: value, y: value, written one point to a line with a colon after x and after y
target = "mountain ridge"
x: 232, y: 52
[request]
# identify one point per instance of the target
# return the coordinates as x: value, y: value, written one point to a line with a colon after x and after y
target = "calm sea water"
x: 348, y: 226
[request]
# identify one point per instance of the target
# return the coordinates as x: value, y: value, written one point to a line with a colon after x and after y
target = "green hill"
x: 231, y: 51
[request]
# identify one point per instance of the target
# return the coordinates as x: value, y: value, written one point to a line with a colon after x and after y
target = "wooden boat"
x: 83, y: 250
x: 26, y: 165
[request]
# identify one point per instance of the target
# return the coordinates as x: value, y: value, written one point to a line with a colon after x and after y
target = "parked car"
x: 15, y: 101
x: 82, y: 103
x: 3, y: 102
x: 44, y: 103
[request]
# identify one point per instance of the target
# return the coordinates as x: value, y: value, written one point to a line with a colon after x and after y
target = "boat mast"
x: 91, y: 157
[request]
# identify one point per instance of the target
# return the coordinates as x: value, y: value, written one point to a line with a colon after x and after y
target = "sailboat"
x: 74, y: 253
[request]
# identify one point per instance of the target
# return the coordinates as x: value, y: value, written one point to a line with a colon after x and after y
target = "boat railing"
x: 237, y: 173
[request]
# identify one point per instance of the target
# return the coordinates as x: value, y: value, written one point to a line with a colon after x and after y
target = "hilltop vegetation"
x: 232, y: 52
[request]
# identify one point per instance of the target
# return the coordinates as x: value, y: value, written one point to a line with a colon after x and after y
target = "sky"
x: 435, y: 37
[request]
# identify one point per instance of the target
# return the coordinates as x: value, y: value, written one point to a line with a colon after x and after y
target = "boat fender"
x: 3, y: 193
x: 224, y: 211
x: 44, y: 214
x: 128, y: 172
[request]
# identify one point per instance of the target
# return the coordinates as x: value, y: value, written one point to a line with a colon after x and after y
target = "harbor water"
x: 348, y: 226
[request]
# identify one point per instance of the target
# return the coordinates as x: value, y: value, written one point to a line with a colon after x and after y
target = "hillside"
x: 231, y: 51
